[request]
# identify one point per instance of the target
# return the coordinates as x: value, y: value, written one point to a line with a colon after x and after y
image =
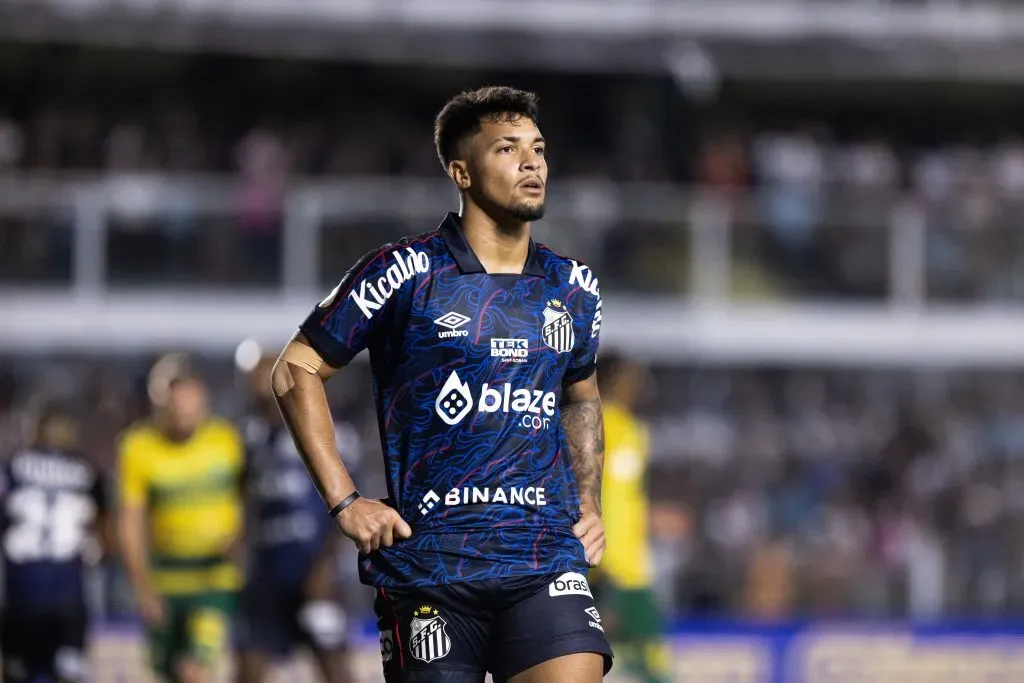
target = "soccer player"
x: 482, y: 345
x: 288, y: 600
x: 52, y: 503
x: 180, y: 522
x: 624, y: 584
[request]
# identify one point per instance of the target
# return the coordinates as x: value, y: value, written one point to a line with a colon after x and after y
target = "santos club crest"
x: 427, y: 638
x: 557, y: 330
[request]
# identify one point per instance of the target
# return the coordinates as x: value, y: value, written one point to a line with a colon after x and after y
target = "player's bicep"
x: 347, y: 320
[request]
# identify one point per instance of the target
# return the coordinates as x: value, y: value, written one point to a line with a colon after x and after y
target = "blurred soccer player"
x: 289, y: 597
x: 482, y: 345
x: 624, y: 586
x: 180, y: 522
x: 52, y: 502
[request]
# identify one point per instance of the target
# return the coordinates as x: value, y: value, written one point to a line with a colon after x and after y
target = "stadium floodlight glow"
x: 247, y: 355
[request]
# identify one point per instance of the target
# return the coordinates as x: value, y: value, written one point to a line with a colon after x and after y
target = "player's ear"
x: 458, y: 170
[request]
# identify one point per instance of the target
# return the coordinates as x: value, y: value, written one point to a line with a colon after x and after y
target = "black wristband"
x: 337, y: 509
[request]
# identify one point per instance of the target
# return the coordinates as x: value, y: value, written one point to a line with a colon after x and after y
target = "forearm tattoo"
x: 583, y: 423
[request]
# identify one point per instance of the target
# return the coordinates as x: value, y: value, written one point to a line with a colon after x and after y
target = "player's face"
x: 508, y: 169
x: 57, y: 431
x: 187, y: 406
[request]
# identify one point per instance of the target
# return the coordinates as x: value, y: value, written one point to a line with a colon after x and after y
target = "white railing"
x: 91, y: 312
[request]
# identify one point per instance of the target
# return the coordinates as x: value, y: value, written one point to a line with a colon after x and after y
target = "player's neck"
x: 500, y: 247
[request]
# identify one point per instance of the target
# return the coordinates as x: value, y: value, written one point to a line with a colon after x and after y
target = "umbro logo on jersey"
x: 453, y: 321
x: 372, y: 293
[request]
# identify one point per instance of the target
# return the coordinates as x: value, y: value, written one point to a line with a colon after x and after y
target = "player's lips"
x: 532, y: 186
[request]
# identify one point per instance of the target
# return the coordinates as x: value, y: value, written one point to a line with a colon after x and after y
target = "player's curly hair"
x: 462, y: 116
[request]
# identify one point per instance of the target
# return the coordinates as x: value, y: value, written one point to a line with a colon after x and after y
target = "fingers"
x: 590, y: 531
x: 595, y: 552
x: 378, y: 529
x: 394, y: 527
x: 586, y: 523
x: 402, y: 529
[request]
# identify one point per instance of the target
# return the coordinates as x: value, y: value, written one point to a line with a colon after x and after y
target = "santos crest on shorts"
x: 468, y: 372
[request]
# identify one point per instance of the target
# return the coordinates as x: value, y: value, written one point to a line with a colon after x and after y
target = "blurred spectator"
x: 791, y: 167
x: 263, y: 167
x: 723, y: 165
x: 809, y: 206
x: 774, y: 492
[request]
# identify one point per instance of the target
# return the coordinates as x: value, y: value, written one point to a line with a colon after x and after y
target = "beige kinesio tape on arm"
x: 300, y: 356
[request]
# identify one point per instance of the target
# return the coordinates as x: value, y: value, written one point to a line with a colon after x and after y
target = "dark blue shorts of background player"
x: 275, y: 622
x: 457, y: 633
x: 41, y: 646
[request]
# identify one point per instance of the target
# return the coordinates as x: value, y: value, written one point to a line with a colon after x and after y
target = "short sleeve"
x: 348, y: 320
x: 587, y: 319
x: 131, y: 464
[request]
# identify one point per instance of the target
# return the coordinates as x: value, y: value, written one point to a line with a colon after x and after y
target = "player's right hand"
x: 151, y: 608
x: 372, y: 524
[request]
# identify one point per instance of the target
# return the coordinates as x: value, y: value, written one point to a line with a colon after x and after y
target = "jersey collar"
x: 467, y: 261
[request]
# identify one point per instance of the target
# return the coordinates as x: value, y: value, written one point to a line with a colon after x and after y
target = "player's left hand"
x: 590, y: 531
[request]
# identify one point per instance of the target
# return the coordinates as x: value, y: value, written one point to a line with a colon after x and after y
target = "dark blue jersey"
x: 287, y: 523
x: 468, y: 370
x: 49, y: 506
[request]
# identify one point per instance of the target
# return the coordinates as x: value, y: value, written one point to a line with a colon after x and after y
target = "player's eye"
x: 539, y: 150
x: 506, y: 148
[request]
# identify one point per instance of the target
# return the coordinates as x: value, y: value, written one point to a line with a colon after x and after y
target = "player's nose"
x: 531, y: 163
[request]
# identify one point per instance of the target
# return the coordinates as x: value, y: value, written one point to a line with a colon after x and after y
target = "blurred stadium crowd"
x: 819, y: 491
x: 811, y: 187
